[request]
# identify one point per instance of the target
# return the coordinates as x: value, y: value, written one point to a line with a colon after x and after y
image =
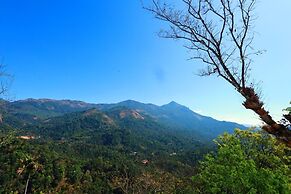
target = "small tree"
x: 219, y: 33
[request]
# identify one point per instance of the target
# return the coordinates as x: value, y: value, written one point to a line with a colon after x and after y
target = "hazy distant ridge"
x: 171, y: 115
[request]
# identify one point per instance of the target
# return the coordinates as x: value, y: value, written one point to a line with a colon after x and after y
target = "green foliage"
x: 288, y: 109
x: 81, y: 166
x: 246, y: 162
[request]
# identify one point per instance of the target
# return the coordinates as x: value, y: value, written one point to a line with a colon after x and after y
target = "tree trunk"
x: 253, y: 102
x: 26, y: 186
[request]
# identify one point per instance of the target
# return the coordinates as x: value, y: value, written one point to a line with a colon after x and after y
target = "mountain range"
x: 173, y: 116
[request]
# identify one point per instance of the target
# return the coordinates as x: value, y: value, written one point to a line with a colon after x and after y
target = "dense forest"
x: 124, y: 150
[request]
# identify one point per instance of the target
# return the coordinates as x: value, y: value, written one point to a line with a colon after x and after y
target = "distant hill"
x: 176, y: 116
x: 118, y: 127
x: 172, y: 116
x: 45, y: 108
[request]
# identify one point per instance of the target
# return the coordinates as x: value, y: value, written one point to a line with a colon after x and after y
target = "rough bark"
x: 253, y: 103
x: 288, y: 117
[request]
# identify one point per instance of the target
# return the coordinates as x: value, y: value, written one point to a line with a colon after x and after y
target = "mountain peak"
x: 173, y: 104
x: 130, y: 101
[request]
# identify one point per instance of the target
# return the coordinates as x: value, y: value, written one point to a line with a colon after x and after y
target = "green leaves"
x: 248, y: 161
x: 288, y: 109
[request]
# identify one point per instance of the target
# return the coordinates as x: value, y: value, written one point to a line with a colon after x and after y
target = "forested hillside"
x: 117, y: 149
x: 129, y: 147
x: 173, y: 115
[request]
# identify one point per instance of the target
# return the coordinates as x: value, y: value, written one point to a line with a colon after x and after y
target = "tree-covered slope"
x: 45, y: 108
x: 99, y: 152
x: 176, y: 116
x: 118, y: 127
x: 173, y: 115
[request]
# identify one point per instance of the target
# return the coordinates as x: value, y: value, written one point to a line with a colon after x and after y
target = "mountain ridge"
x: 98, y: 105
x: 172, y: 115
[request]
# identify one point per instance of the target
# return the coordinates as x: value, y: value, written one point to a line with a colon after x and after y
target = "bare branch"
x: 219, y: 34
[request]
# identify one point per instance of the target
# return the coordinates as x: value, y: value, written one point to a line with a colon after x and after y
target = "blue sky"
x: 105, y: 51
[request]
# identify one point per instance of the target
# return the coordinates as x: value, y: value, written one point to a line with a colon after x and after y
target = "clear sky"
x: 109, y: 51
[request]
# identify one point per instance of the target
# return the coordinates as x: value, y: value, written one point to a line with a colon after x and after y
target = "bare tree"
x: 5, y: 80
x: 220, y: 34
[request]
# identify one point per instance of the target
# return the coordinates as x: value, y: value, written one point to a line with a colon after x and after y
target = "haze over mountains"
x: 173, y: 116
